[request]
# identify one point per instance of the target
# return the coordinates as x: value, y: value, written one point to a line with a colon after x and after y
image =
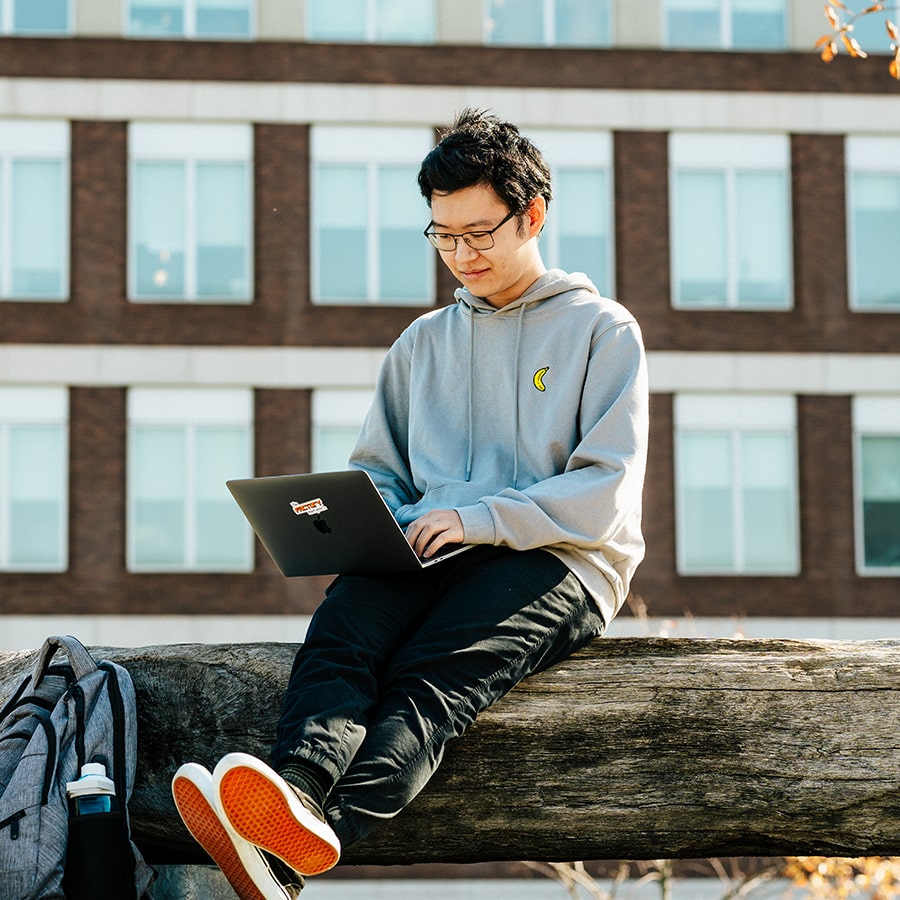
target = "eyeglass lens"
x: 477, y: 240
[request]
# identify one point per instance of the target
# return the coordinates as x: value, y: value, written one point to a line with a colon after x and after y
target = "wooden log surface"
x: 635, y: 748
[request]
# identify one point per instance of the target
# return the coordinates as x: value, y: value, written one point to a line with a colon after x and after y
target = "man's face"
x: 502, y: 273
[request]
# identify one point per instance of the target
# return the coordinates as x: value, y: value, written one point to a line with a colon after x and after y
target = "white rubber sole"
x: 241, y: 862
x: 264, y: 810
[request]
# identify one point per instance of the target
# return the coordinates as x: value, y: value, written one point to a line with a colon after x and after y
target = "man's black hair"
x: 479, y: 148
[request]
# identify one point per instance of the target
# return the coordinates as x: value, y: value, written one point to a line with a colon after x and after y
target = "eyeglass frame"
x: 431, y: 235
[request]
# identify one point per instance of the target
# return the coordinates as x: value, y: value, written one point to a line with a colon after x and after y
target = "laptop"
x: 328, y: 523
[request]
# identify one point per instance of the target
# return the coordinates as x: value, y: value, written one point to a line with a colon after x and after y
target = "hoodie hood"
x: 552, y: 283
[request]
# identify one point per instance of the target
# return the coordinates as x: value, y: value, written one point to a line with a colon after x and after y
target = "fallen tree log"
x: 635, y: 748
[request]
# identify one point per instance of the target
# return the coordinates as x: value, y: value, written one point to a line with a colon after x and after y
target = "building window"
x: 190, y: 18
x: 190, y: 213
x: 736, y: 481
x: 725, y: 24
x: 876, y: 422
x: 337, y: 417
x: 730, y: 219
x: 34, y: 477
x: 873, y: 222
x: 38, y: 17
x: 552, y: 23
x: 183, y: 445
x: 368, y: 216
x: 384, y: 21
x: 34, y: 210
x: 579, y: 229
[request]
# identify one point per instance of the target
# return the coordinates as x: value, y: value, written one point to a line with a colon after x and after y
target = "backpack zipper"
x: 13, y: 823
x: 50, y: 762
x: 78, y: 694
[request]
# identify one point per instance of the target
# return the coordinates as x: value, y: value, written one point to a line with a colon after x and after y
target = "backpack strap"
x: 120, y: 750
x: 10, y: 704
x: 82, y: 662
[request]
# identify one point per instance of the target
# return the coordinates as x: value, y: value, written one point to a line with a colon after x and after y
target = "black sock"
x: 313, y: 780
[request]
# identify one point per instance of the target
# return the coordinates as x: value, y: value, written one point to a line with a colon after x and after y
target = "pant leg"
x: 498, y: 616
x: 336, y: 675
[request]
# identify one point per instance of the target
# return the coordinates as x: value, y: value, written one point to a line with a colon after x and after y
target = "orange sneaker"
x: 243, y: 864
x: 266, y: 811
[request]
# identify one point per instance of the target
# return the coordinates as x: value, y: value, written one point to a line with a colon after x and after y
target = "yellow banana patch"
x: 539, y: 378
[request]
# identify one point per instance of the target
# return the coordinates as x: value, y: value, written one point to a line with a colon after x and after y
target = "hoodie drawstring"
x: 471, y: 424
x: 516, y: 399
x: 471, y: 428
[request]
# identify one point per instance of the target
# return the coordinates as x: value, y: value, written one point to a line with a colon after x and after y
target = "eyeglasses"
x: 477, y: 240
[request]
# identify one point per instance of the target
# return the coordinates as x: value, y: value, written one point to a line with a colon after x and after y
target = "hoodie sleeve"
x: 382, y: 448
x: 588, y: 503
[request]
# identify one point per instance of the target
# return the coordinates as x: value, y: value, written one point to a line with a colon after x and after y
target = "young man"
x: 514, y: 420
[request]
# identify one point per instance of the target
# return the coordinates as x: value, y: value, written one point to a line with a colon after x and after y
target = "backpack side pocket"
x: 99, y: 860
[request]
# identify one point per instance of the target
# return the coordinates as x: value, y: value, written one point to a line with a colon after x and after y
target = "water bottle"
x: 96, y: 822
x: 92, y: 793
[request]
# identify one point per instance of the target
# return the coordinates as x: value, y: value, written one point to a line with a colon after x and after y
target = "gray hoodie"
x: 530, y: 421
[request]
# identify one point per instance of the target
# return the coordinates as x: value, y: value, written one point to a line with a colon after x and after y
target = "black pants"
x: 394, y: 666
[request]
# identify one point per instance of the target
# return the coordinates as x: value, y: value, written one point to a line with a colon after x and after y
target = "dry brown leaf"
x: 832, y: 17
x: 853, y: 47
x: 892, y: 30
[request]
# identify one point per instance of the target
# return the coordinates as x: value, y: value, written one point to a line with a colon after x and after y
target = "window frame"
x: 34, y: 405
x: 189, y: 409
x: 735, y: 415
x: 726, y: 31
x: 866, y: 154
x: 39, y: 140
x: 730, y: 153
x: 370, y: 29
x: 189, y: 13
x: 374, y: 147
x: 549, y: 30
x: 569, y: 149
x: 191, y: 144
x: 873, y: 416
x: 7, y: 22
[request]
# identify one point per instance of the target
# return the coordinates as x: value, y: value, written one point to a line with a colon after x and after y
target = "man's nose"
x: 463, y: 250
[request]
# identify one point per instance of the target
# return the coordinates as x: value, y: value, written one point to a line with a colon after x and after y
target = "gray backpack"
x: 61, y: 717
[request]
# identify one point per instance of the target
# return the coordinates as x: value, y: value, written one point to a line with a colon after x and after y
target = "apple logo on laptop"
x: 321, y: 525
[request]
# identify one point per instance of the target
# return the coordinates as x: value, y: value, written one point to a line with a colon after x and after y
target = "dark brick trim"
x: 520, y: 67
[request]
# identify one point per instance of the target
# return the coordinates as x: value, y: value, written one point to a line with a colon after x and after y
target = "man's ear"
x: 537, y: 215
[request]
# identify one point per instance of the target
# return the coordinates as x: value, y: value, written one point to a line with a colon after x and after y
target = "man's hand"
x: 430, y: 532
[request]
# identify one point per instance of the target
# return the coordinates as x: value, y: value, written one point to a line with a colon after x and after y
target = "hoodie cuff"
x: 478, y: 524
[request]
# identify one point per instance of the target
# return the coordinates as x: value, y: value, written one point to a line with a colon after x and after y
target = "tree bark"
x: 635, y: 748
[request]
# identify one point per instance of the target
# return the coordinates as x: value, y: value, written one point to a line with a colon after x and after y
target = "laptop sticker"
x: 309, y: 507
